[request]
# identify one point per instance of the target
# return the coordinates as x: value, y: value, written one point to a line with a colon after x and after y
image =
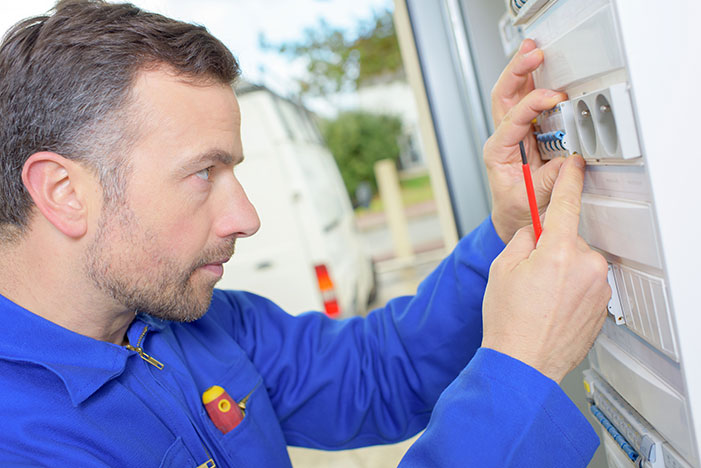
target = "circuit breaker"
x: 638, y: 384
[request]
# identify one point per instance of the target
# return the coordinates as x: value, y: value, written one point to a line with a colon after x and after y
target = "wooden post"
x: 388, y: 183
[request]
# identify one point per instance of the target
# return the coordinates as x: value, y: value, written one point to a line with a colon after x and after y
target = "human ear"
x: 54, y: 183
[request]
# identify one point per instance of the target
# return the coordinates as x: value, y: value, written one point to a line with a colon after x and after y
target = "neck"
x: 56, y: 288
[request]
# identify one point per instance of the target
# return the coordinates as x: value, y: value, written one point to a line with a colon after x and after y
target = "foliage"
x: 338, y: 60
x: 357, y: 140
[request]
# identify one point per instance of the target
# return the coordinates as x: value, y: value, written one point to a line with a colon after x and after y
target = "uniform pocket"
x: 257, y: 437
x: 177, y: 455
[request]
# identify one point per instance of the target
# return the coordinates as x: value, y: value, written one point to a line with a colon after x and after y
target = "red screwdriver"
x: 224, y: 412
x: 535, y: 217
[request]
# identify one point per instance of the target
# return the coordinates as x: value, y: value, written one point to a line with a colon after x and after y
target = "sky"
x: 238, y: 24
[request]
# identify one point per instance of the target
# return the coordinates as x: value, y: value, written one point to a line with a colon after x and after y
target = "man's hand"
x: 545, y: 305
x: 515, y: 103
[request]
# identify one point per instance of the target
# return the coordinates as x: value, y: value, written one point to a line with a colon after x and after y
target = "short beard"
x: 160, y: 287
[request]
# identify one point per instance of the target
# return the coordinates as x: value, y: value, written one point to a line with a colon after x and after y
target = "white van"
x: 307, y: 254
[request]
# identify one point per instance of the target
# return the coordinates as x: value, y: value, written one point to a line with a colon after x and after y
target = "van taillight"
x: 328, y: 295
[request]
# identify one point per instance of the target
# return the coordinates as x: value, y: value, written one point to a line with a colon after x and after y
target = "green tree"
x: 357, y: 140
x: 340, y: 60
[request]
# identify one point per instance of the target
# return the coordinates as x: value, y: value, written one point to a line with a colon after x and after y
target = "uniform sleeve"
x: 373, y: 380
x: 500, y: 412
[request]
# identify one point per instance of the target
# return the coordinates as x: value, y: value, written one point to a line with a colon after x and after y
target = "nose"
x: 237, y: 215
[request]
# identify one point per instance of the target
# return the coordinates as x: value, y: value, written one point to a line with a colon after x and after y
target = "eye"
x: 204, y: 173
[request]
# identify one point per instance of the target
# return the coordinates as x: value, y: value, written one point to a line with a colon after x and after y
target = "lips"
x: 215, y: 268
x: 213, y: 260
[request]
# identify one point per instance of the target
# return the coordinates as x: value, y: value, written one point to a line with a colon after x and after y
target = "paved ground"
x: 385, y: 456
x: 424, y: 231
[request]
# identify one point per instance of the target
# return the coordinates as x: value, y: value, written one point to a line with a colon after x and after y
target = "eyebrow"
x: 211, y: 156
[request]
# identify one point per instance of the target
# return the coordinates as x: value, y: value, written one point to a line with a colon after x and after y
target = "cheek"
x: 176, y: 223
x: 179, y: 229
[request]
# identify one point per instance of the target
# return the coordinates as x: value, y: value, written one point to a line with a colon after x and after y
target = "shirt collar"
x: 84, y: 364
x: 152, y: 322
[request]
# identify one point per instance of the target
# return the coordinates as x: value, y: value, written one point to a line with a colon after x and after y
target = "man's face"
x: 160, y: 249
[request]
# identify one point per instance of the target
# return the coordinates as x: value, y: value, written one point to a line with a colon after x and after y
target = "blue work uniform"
x: 70, y: 400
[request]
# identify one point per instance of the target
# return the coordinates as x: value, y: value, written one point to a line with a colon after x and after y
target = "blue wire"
x: 620, y: 440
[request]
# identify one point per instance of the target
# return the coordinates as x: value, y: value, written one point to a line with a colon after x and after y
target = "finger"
x: 517, y: 72
x: 562, y: 216
x: 517, y: 122
x: 544, y: 180
x: 519, y: 248
x: 515, y: 81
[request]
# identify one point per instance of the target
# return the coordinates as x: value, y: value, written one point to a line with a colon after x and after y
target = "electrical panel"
x: 638, y: 383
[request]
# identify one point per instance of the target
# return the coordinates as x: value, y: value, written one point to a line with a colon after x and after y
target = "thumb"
x: 544, y: 180
x: 519, y: 248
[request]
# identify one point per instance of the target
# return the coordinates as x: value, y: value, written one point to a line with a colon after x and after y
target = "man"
x: 119, y: 136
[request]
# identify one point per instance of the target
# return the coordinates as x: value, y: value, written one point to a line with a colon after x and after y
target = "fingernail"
x: 579, y: 161
x: 551, y: 93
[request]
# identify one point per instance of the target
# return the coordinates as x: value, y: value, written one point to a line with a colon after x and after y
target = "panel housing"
x: 590, y: 49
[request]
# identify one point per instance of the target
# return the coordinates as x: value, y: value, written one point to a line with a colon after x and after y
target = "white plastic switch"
x: 614, y: 305
x: 580, y: 41
x: 672, y: 459
x: 607, y: 223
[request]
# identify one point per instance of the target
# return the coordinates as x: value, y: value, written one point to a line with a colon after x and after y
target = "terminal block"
x: 632, y: 437
x: 556, y: 132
